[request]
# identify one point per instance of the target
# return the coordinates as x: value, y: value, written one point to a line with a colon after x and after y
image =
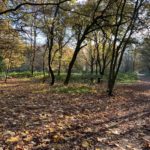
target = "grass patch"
x: 127, y: 77
x: 41, y: 91
x: 73, y: 89
x: 23, y: 74
x: 75, y: 77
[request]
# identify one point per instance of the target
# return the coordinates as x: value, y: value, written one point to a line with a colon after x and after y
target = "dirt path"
x: 32, y: 117
x: 143, y: 78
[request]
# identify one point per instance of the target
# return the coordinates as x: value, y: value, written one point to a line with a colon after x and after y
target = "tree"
x: 17, y: 5
x: 121, y: 36
x: 102, y: 44
x: 11, y: 46
x: 87, y: 25
x: 145, y: 52
x: 50, y: 40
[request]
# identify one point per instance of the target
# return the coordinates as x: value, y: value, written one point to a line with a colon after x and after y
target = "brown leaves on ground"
x: 92, y: 121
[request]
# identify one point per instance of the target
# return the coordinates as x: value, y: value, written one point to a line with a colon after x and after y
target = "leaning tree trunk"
x: 72, y: 63
x: 70, y: 67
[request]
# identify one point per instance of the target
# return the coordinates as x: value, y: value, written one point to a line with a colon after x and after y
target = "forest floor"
x: 34, y: 116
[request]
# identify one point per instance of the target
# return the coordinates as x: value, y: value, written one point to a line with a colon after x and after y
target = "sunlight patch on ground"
x: 146, y: 93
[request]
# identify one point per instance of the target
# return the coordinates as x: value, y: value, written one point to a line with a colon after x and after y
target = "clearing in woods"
x: 32, y: 116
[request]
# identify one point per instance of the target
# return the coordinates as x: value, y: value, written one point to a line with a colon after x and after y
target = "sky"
x: 41, y: 39
x: 81, y: 0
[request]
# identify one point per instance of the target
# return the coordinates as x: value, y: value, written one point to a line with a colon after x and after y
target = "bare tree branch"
x: 31, y: 4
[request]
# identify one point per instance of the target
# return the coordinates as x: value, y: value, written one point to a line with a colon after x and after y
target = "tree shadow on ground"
x: 70, y: 121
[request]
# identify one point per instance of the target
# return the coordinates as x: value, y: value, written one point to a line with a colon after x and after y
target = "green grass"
x: 75, y: 77
x: 79, y: 83
x: 78, y: 77
x: 73, y: 89
x: 23, y: 74
x: 20, y: 74
x: 127, y: 77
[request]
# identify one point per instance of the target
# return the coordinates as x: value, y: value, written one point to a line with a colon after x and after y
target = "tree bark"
x: 72, y: 63
x: 60, y: 58
x: 34, y: 51
x: 92, y: 69
x: 43, y: 66
x: 50, y: 42
x: 51, y: 73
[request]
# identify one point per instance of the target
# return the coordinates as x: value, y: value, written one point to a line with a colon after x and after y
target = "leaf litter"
x: 67, y: 121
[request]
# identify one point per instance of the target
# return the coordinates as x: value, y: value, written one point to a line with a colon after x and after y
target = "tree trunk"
x: 43, y: 66
x: 72, y: 63
x: 111, y: 84
x: 34, y: 46
x: 9, y: 66
x: 33, y: 58
x: 51, y: 73
x: 50, y: 39
x: 96, y: 69
x: 92, y: 70
x: 6, y: 75
x: 59, y: 63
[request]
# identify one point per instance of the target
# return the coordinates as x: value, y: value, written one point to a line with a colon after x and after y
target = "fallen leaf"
x: 51, y: 129
x: 28, y: 138
x: 101, y: 139
x: 9, y: 133
x: 13, y: 139
x: 114, y: 131
x: 58, y: 137
x: 88, y: 130
x: 85, y: 144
